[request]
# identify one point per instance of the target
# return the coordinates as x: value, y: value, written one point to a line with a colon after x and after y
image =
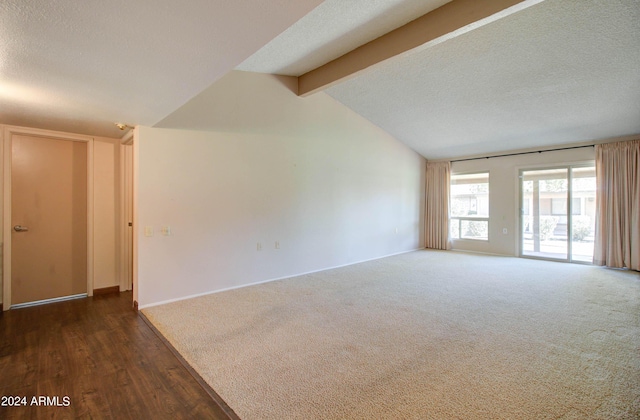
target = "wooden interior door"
x: 48, y: 218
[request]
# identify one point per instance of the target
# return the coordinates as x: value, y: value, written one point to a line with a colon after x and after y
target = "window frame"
x: 469, y: 218
x: 571, y: 209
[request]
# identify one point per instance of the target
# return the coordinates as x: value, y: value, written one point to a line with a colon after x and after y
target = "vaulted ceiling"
x: 475, y: 78
x: 80, y: 66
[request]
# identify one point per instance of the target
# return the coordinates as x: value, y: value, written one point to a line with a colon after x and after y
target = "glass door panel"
x: 545, y: 213
x: 583, y: 213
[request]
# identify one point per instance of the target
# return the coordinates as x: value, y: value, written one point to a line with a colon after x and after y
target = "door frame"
x: 6, y: 136
x: 126, y: 201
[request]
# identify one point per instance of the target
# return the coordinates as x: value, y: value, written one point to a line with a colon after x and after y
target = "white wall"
x: 504, y: 194
x: 332, y: 193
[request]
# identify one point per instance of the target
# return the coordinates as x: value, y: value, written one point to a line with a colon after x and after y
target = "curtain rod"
x: 524, y: 153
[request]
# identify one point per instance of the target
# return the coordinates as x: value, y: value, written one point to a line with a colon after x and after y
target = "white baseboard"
x: 483, y: 253
x: 164, y: 302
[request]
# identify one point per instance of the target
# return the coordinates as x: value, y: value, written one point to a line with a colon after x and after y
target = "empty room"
x: 307, y: 209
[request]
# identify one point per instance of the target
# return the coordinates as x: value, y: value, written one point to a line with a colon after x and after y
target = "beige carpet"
x: 424, y: 335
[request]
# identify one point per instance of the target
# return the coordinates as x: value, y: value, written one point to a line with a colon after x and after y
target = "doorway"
x: 558, y: 213
x: 47, y: 223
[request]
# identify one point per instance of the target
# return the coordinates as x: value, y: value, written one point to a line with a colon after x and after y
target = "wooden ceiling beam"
x: 453, y: 19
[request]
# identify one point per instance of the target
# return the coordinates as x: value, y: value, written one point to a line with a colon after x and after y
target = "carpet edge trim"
x: 207, y: 388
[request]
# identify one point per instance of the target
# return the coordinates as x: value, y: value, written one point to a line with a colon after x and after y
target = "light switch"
x: 166, y: 230
x: 148, y: 231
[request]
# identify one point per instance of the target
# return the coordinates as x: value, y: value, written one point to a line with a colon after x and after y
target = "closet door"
x: 48, y: 218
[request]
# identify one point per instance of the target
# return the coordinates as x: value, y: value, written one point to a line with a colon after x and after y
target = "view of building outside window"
x: 470, y: 206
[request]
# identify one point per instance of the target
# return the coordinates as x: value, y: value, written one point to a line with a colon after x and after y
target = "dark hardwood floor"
x: 101, y: 355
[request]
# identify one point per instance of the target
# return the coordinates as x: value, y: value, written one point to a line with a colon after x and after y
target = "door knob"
x: 19, y: 228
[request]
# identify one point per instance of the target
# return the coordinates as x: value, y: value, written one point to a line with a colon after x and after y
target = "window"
x: 559, y: 206
x: 469, y: 217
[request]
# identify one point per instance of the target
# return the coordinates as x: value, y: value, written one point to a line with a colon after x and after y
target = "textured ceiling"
x: 559, y: 72
x: 80, y: 66
x: 331, y: 30
x: 562, y: 71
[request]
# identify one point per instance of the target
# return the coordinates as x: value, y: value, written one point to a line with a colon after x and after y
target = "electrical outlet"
x: 166, y: 230
x: 148, y: 231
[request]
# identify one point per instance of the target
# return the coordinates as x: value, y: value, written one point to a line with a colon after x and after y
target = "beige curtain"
x: 618, y: 202
x: 437, y: 205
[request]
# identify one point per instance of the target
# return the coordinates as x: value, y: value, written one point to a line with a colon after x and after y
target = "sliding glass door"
x: 583, y: 211
x: 544, y: 213
x: 558, y: 213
